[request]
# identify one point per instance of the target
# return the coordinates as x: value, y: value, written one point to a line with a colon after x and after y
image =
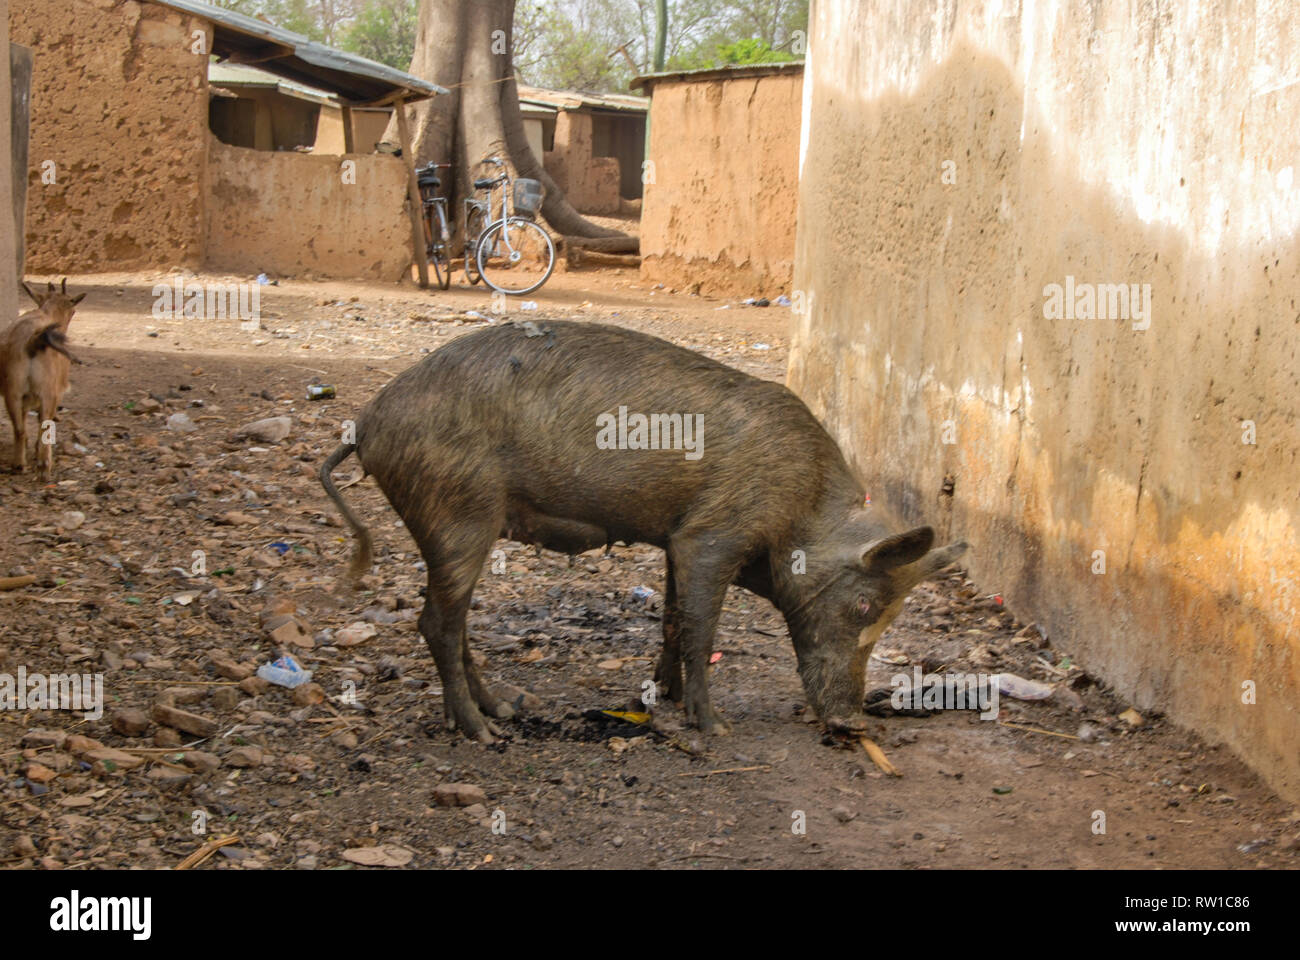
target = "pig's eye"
x: 864, y: 606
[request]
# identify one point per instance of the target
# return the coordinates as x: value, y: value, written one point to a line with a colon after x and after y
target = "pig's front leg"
x: 668, y: 674
x: 704, y: 566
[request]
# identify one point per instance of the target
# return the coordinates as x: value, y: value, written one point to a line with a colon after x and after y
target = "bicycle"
x: 437, y: 232
x: 512, y: 254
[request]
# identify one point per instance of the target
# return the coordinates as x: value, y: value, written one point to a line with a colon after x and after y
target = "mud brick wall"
x: 296, y: 214
x: 119, y: 105
x: 8, y: 255
x: 719, y: 217
x: 957, y: 160
x: 589, y: 182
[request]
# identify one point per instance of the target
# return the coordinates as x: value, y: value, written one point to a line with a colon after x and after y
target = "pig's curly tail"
x: 364, y: 553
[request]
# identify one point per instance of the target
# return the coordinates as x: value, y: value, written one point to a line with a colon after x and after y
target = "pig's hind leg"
x: 488, y: 702
x: 455, y: 559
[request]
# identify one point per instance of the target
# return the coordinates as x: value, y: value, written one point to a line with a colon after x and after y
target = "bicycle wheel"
x: 475, y: 221
x: 515, y: 256
x: 439, y: 248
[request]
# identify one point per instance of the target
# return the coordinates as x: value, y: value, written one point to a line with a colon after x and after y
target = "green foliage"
x: 384, y: 31
x: 566, y: 44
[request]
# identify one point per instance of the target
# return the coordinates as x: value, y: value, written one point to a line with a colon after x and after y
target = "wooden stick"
x: 709, y: 773
x: 878, y: 757
x: 205, y: 851
x: 13, y: 583
x: 1050, y: 733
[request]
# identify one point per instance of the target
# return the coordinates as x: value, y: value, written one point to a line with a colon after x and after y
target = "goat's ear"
x: 50, y: 287
x: 78, y: 298
x: 64, y: 289
x: 32, y: 293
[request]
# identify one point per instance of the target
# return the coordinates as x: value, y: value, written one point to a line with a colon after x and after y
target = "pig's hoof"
x: 855, y: 725
x: 708, y: 721
x: 486, y: 732
x: 494, y: 705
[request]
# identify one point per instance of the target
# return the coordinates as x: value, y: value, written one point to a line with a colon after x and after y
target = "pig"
x: 499, y: 434
x: 34, y: 367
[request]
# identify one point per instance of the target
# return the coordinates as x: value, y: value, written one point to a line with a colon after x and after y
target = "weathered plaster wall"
x: 119, y: 107
x: 293, y: 214
x: 8, y: 254
x: 1113, y: 143
x: 720, y: 212
x: 589, y: 182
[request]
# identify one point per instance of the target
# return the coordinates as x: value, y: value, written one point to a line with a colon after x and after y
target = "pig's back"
x: 522, y: 406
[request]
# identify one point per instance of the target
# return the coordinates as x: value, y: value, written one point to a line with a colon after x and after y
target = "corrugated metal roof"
x: 734, y: 71
x: 284, y: 53
x: 235, y: 75
x: 576, y: 100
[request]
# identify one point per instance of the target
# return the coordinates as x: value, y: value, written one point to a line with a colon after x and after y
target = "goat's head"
x: 55, y: 303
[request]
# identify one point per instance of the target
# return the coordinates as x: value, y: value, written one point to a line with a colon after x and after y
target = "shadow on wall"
x: 1068, y: 436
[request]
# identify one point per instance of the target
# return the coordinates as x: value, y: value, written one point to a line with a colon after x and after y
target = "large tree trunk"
x: 465, y: 46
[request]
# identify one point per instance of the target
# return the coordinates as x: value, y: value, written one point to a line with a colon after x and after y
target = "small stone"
x: 307, y: 694
x: 44, y: 738
x: 226, y: 699
x: 254, y: 686
x: 39, y: 773
x: 1086, y: 732
x: 168, y: 776
x: 166, y: 737
x: 231, y: 670
x: 517, y: 697
x: 355, y: 633
x: 1132, y: 717
x: 181, y: 695
x: 71, y: 519
x: 618, y: 841
x: 201, y: 762
x: 23, y: 846
x: 270, y: 430
x: 112, y: 759
x: 458, y: 795
x: 844, y: 814
x: 543, y: 841
x: 79, y: 744
x: 248, y: 756
x: 129, y: 722
x: 290, y: 631
x: 345, y: 739
x: 190, y: 723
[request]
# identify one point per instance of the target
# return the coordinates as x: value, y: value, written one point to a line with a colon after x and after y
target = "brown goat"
x: 34, y: 366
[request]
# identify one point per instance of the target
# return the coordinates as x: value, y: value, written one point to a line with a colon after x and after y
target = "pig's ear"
x: 898, y: 550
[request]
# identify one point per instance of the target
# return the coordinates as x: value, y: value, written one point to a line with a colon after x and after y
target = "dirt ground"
x: 354, y: 779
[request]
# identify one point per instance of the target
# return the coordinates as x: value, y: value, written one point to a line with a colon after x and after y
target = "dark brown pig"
x: 513, y: 431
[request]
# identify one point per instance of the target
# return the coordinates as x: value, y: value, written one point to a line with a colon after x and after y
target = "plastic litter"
x: 1018, y: 688
x: 285, y: 672
x: 642, y: 593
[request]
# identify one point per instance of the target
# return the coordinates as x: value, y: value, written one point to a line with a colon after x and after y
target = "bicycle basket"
x: 528, y: 196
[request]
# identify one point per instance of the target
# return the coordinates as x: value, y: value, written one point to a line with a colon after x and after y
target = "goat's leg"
x: 44, y: 450
x: 18, y: 417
